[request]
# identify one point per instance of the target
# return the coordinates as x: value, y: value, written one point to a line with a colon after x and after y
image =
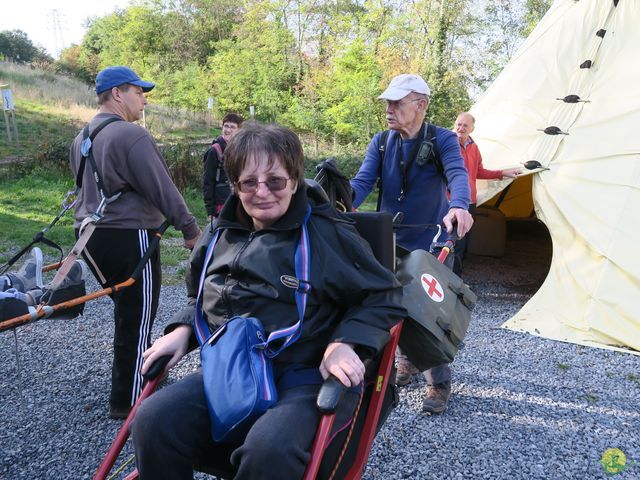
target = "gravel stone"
x: 522, y: 407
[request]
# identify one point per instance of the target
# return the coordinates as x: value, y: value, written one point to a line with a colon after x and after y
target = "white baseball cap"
x: 403, y: 85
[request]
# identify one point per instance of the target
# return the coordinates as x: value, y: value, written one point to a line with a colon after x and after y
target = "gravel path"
x: 522, y: 407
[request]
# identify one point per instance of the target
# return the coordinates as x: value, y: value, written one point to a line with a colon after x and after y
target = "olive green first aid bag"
x: 439, y: 305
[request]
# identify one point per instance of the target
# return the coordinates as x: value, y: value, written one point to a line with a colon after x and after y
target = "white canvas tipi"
x: 570, y: 99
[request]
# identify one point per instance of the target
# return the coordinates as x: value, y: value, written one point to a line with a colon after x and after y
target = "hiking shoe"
x: 436, y: 398
x: 119, y: 413
x: 29, y: 277
x: 405, y: 372
x: 77, y: 274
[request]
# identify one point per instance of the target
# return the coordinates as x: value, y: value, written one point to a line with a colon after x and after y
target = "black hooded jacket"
x: 215, y: 187
x: 353, y: 298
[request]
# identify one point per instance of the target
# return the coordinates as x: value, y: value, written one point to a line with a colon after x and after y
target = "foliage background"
x: 314, y: 65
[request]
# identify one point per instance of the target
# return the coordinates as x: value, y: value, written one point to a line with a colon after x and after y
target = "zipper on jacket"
x: 234, y: 264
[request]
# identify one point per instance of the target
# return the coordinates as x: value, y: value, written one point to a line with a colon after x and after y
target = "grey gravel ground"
x: 522, y: 407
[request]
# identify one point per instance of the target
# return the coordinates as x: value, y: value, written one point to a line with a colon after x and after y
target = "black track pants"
x: 112, y: 255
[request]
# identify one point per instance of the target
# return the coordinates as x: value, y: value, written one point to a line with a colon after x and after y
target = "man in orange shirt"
x: 465, y: 124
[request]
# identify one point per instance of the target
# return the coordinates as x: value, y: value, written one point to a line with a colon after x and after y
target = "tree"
x: 257, y: 67
x: 534, y: 11
x: 16, y: 45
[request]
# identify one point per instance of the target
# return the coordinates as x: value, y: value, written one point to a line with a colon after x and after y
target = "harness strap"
x: 285, y: 336
x: 86, y: 150
x: 87, y: 227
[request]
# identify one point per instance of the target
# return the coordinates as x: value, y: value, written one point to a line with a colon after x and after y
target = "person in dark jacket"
x: 352, y: 304
x: 215, y: 187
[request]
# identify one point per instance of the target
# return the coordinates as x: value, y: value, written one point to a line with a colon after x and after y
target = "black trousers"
x: 462, y: 245
x: 171, y: 435
x: 112, y: 255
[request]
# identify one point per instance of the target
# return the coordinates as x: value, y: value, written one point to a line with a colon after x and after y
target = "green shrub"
x: 184, y: 160
x: 54, y: 154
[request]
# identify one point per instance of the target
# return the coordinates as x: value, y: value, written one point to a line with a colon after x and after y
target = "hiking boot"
x: 405, y: 372
x: 436, y: 398
x: 29, y: 277
x: 119, y: 413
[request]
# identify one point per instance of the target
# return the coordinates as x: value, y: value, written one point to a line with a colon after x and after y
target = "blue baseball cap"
x: 115, y: 76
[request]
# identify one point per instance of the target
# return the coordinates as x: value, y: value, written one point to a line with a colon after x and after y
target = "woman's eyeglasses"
x: 274, y: 184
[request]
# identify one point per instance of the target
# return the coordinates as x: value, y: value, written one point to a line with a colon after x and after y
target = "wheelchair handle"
x: 332, y: 391
x: 157, y: 367
x: 330, y: 395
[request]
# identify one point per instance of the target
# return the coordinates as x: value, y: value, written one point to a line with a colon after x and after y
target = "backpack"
x: 427, y: 153
x: 335, y: 184
x: 218, y: 149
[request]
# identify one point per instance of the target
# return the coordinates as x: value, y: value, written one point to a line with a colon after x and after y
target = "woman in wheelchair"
x: 352, y: 304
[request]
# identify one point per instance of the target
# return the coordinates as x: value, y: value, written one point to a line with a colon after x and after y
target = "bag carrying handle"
x: 290, y: 334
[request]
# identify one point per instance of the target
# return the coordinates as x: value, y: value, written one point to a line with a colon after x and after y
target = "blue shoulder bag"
x: 237, y: 358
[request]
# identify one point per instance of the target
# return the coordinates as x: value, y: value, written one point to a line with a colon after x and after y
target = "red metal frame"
x: 122, y: 435
x: 323, y: 434
x: 321, y: 440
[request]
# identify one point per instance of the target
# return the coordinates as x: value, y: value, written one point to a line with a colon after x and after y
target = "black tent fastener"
x: 532, y: 165
x: 615, y: 3
x: 600, y: 33
x: 553, y: 131
x: 586, y: 64
x: 572, y: 99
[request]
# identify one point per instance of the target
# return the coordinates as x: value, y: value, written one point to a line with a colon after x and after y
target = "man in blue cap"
x: 134, y: 182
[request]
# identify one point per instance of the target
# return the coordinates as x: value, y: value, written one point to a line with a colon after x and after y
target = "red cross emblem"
x: 432, y: 287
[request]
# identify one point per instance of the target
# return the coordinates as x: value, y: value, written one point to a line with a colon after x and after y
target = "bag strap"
x: 430, y: 135
x: 285, y: 336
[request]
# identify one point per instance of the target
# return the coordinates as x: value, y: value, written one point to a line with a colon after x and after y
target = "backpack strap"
x: 427, y: 153
x: 430, y: 136
x: 218, y: 149
x: 382, y: 147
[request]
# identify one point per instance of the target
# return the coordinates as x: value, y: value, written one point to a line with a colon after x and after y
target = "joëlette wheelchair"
x: 343, y: 456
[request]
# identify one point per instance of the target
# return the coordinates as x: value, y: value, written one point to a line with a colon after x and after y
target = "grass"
x: 50, y: 110
x: 589, y: 397
x: 29, y: 203
x: 51, y: 107
x: 20, y: 220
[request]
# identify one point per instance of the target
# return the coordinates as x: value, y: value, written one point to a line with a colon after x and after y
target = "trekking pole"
x: 40, y: 236
x: 43, y: 310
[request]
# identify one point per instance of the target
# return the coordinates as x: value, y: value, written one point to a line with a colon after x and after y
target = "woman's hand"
x: 341, y: 361
x: 174, y: 344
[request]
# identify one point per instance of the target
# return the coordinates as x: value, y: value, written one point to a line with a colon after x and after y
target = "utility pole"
x: 58, y: 24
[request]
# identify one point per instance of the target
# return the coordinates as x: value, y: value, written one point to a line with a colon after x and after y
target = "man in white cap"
x: 415, y: 164
x: 127, y: 162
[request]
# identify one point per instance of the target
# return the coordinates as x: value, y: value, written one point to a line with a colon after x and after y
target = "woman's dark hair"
x: 279, y: 144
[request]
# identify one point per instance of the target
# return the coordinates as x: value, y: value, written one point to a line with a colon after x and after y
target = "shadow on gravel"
x: 523, y: 267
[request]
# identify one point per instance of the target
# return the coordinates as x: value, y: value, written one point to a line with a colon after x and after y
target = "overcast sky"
x: 37, y: 19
